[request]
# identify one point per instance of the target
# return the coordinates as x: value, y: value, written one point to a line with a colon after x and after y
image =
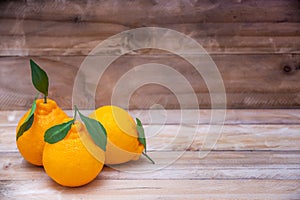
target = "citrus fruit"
x: 68, y: 162
x: 122, y: 137
x: 31, y: 143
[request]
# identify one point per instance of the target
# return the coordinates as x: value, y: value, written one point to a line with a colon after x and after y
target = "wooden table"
x: 256, y: 157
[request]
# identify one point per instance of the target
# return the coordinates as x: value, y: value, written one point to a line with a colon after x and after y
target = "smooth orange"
x: 122, y: 137
x: 31, y: 143
x: 68, y: 162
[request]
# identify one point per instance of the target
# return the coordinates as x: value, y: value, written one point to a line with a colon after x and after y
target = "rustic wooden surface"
x: 250, y: 41
x: 256, y: 157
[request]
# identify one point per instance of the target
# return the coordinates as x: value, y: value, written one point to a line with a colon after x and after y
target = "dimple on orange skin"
x: 122, y: 137
x: 31, y: 143
x: 68, y: 162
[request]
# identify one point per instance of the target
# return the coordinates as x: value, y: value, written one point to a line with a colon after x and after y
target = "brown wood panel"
x: 251, y: 81
x: 75, y: 27
x: 267, y: 31
x: 24, y: 46
x: 36, y: 37
x: 48, y: 28
x: 138, y: 13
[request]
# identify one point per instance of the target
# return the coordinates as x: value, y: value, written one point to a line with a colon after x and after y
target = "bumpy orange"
x: 122, y: 137
x: 68, y: 162
x: 31, y: 143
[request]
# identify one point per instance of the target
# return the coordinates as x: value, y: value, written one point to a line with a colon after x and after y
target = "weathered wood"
x: 219, y: 165
x: 233, y: 137
x: 17, y: 40
x: 75, y: 28
x: 233, y: 116
x: 24, y: 46
x: 257, y: 174
x: 155, y: 189
x: 47, y: 28
x: 188, y: 137
x: 251, y: 81
x: 173, y: 117
x: 154, y: 12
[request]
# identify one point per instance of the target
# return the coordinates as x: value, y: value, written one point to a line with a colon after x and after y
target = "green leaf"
x: 28, y: 121
x: 58, y: 132
x: 39, y: 78
x: 142, y: 138
x: 141, y: 132
x: 25, y: 126
x: 33, y: 107
x: 148, y: 157
x: 96, y: 131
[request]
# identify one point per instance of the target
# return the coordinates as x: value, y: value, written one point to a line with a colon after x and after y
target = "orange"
x: 31, y: 143
x: 68, y: 162
x: 122, y: 137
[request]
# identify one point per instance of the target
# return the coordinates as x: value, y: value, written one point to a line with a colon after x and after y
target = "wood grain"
x: 191, y: 137
x: 155, y: 189
x: 249, y: 41
x: 225, y: 165
x: 250, y: 161
x: 158, y: 11
x: 251, y: 81
x: 173, y: 117
x: 18, y: 38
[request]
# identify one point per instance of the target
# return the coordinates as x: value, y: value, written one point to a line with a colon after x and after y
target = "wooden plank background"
x: 256, y: 157
x: 250, y: 41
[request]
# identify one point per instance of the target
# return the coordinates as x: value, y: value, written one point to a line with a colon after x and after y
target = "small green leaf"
x: 142, y: 138
x: 28, y: 121
x: 25, y: 126
x: 33, y: 107
x: 141, y: 133
x: 148, y: 157
x: 58, y: 132
x: 96, y: 131
x: 39, y: 78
